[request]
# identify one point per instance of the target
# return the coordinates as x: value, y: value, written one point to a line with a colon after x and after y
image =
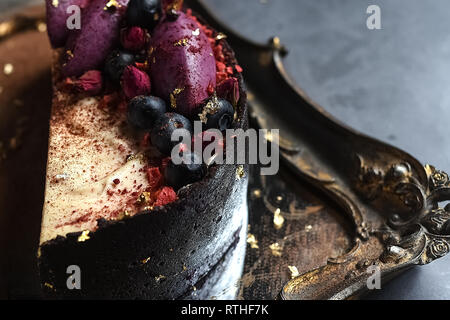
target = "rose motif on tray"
x: 438, y: 248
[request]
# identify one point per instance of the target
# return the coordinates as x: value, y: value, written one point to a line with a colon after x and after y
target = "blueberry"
x: 218, y: 113
x: 164, y: 127
x: 116, y: 63
x: 185, y: 173
x: 143, y: 111
x: 143, y: 13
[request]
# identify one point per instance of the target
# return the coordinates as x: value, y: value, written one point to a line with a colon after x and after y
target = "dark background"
x: 392, y: 83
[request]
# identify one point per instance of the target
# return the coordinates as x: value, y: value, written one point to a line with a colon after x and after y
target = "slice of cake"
x: 121, y: 219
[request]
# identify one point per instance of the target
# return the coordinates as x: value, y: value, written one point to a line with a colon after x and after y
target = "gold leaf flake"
x: 84, y: 236
x: 112, y: 3
x: 181, y: 43
x: 8, y: 69
x: 173, y: 97
x: 278, y: 219
x: 69, y: 54
x: 276, y: 249
x: 48, y: 285
x: 251, y: 240
x: 143, y: 199
x: 145, y: 261
x: 184, y: 268
x: 210, y: 108
x: 221, y: 36
x: 124, y: 215
x: 160, y: 277
x: 55, y: 3
x: 294, y: 271
x: 240, y: 172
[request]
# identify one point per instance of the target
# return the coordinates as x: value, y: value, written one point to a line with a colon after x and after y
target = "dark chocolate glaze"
x: 184, y: 240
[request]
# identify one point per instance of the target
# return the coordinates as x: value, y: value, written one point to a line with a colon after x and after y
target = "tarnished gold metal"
x: 390, y: 198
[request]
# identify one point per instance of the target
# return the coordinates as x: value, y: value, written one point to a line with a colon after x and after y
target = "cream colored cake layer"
x: 88, y: 173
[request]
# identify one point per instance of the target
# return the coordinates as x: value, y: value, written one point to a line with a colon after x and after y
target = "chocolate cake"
x: 138, y: 225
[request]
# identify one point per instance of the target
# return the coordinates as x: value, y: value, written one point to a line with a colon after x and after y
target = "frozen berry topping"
x: 162, y: 69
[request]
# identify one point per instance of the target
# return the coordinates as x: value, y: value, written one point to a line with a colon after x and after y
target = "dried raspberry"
x: 221, y: 76
x: 134, y: 38
x: 229, y: 90
x: 165, y: 196
x: 135, y: 82
x: 220, y: 66
x: 154, y: 178
x: 239, y: 68
x: 210, y: 89
x: 90, y: 82
x: 109, y: 100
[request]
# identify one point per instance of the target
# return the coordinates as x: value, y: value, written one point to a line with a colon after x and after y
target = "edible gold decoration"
x: 251, y: 240
x: 173, y: 97
x: 160, y: 277
x: 145, y: 261
x: 209, y: 108
x: 278, y: 219
x: 123, y: 215
x: 175, y: 5
x: 276, y: 249
x: 294, y: 271
x: 55, y: 3
x: 144, y: 198
x: 184, y: 268
x: 181, y: 43
x: 111, y: 4
x: 8, y: 68
x: 48, y: 285
x: 221, y: 36
x: 240, y: 172
x: 69, y: 54
x: 84, y: 236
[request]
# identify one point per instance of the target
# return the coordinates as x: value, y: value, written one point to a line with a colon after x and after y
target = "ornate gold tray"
x: 390, y: 201
x: 342, y: 202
